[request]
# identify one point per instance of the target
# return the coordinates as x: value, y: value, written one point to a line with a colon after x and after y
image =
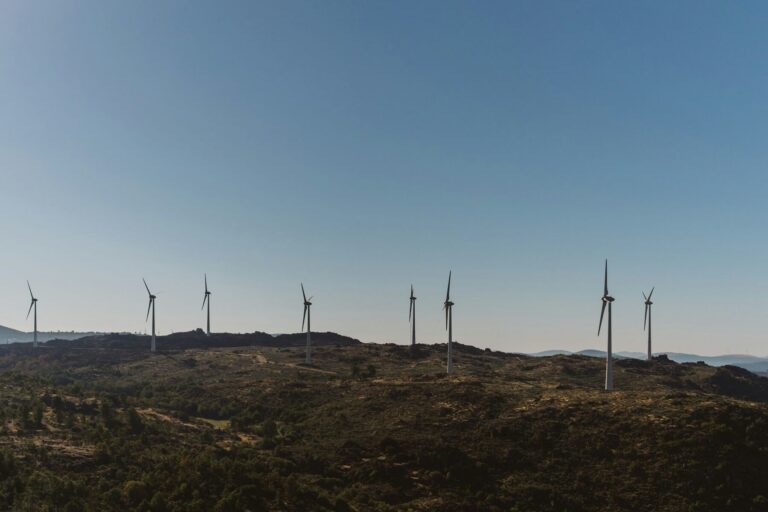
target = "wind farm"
x: 490, y: 404
x: 606, y: 300
x: 550, y: 153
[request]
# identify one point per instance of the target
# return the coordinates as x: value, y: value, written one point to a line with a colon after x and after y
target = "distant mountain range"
x: 752, y: 363
x: 8, y: 335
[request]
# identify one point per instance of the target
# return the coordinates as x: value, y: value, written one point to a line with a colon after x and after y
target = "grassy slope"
x: 250, y: 428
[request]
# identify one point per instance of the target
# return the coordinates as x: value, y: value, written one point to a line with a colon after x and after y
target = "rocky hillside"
x: 373, y: 428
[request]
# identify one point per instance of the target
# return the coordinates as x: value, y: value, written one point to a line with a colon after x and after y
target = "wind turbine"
x: 607, y: 300
x: 412, y: 318
x: 207, y: 298
x: 448, y: 307
x: 307, y: 316
x: 152, y: 309
x: 647, y: 319
x: 32, y: 305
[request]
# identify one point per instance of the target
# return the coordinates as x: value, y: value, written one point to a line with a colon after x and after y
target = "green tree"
x: 37, y: 419
x: 134, y: 492
x: 134, y: 421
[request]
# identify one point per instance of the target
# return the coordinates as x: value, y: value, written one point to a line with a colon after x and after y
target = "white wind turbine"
x: 207, y: 298
x: 647, y: 319
x: 448, y: 307
x: 412, y: 318
x: 33, y: 305
x: 152, y: 309
x: 307, y: 316
x: 607, y: 301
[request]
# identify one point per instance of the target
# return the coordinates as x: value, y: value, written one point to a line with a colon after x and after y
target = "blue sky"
x: 360, y: 147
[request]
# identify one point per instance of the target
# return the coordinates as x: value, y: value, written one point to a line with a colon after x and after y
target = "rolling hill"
x: 230, y: 424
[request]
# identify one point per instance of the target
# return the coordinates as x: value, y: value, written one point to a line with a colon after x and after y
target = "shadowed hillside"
x: 198, y: 339
x: 104, y: 425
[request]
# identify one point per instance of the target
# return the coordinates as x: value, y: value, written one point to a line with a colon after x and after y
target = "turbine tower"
x: 412, y: 318
x: 152, y: 309
x: 448, y: 307
x: 207, y: 298
x: 33, y: 305
x: 647, y: 320
x: 307, y: 316
x: 607, y: 300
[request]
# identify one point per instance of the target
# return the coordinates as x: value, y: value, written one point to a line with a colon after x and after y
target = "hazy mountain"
x: 752, y: 363
x: 8, y: 335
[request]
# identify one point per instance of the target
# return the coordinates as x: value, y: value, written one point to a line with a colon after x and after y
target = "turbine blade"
x: 645, y: 316
x: 649, y: 295
x: 147, y: 287
x: 149, y: 308
x: 605, y: 287
x: 30, y: 308
x: 304, y: 318
x: 302, y: 292
x: 206, y: 283
x: 410, y: 310
x: 644, y: 297
x: 411, y: 291
x: 30, y: 290
x: 448, y: 293
x: 205, y: 298
x: 602, y: 312
x: 446, y: 318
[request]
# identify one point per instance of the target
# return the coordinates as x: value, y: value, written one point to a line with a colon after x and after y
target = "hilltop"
x: 226, y: 427
x: 198, y: 339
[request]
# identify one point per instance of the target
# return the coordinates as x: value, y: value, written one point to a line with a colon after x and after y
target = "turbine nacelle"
x: 648, y: 298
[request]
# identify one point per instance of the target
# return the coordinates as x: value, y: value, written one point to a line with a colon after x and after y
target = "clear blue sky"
x: 364, y: 146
